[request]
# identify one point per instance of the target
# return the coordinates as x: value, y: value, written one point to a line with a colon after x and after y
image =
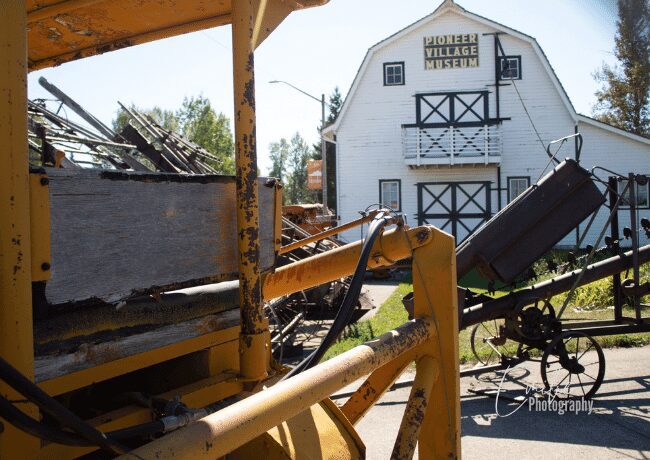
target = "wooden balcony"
x: 451, y: 145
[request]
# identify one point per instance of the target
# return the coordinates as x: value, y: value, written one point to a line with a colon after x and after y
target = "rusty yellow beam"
x: 16, y: 339
x: 222, y: 432
x: 39, y: 204
x: 393, y: 245
x: 373, y: 388
x: 136, y: 39
x: 328, y: 233
x: 62, y: 7
x: 253, y: 327
x: 277, y: 228
x: 409, y: 430
x: 435, y: 296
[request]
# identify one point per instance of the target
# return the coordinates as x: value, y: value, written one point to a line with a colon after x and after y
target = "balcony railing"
x: 451, y: 145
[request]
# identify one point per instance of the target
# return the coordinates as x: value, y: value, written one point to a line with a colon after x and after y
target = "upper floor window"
x: 393, y: 73
x: 510, y: 67
x: 516, y: 186
x: 390, y: 193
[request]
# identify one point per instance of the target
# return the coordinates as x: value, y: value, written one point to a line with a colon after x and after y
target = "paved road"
x: 618, y: 427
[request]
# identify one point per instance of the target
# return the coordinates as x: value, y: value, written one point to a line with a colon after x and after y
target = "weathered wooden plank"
x: 115, y: 234
x: 90, y: 355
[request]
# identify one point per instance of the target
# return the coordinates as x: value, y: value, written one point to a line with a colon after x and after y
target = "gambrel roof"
x: 449, y: 6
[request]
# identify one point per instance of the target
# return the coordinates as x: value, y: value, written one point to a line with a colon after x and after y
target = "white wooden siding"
x: 369, y: 132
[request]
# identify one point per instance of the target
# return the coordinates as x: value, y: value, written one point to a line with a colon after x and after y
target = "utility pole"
x: 323, y: 150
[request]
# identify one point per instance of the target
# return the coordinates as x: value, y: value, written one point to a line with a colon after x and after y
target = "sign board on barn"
x: 453, y: 51
x: 314, y: 175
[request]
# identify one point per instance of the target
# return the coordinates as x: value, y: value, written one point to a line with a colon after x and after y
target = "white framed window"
x: 510, y: 67
x: 642, y: 194
x: 516, y: 186
x: 393, y: 73
x: 390, y: 193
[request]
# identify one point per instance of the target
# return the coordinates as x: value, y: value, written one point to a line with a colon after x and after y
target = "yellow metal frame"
x: 432, y: 416
x: 239, y: 358
x: 39, y: 211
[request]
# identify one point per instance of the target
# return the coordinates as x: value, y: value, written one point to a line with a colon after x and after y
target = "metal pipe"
x: 374, y: 387
x: 322, y: 268
x: 328, y: 233
x: 634, y: 226
x: 16, y: 341
x: 323, y: 151
x: 499, y: 307
x: 220, y: 433
x: 613, y: 225
x: 253, y: 326
x: 409, y: 430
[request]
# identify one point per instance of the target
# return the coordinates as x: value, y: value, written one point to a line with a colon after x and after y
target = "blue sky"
x: 319, y: 49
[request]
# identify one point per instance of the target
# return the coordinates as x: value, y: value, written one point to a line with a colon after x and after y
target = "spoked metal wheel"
x: 573, y: 366
x: 489, y: 343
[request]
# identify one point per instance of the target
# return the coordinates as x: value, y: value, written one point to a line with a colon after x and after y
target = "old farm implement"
x: 525, y: 323
x: 132, y: 296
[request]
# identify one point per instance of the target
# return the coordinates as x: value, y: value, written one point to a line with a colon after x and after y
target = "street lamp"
x: 323, y: 150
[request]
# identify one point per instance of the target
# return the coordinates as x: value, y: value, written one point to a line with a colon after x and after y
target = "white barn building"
x: 445, y: 122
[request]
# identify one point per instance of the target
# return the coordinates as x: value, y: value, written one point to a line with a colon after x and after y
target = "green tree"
x: 279, y: 152
x: 289, y: 164
x: 201, y: 124
x: 624, y: 98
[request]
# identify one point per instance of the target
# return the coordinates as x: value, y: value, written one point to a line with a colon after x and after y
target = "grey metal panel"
x: 115, y: 233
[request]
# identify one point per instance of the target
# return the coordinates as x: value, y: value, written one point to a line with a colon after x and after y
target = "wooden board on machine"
x: 115, y: 234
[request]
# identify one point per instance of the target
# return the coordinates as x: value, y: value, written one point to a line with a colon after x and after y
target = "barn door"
x: 458, y: 208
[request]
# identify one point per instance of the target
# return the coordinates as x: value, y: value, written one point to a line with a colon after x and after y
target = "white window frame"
x: 394, y: 65
x: 398, y: 193
x: 525, y: 180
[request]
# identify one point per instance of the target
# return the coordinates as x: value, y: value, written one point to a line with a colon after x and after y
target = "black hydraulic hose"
x: 54, y: 408
x: 346, y: 309
x: 25, y: 423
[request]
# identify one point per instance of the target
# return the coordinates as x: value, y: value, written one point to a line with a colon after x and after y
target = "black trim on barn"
x: 399, y: 191
x: 501, y: 69
x: 454, y: 215
x: 400, y: 63
x: 473, y: 108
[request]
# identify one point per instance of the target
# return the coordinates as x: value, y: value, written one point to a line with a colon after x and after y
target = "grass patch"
x: 390, y: 315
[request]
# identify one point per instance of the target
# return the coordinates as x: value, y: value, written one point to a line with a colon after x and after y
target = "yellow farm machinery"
x: 135, y: 302
x: 140, y: 331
